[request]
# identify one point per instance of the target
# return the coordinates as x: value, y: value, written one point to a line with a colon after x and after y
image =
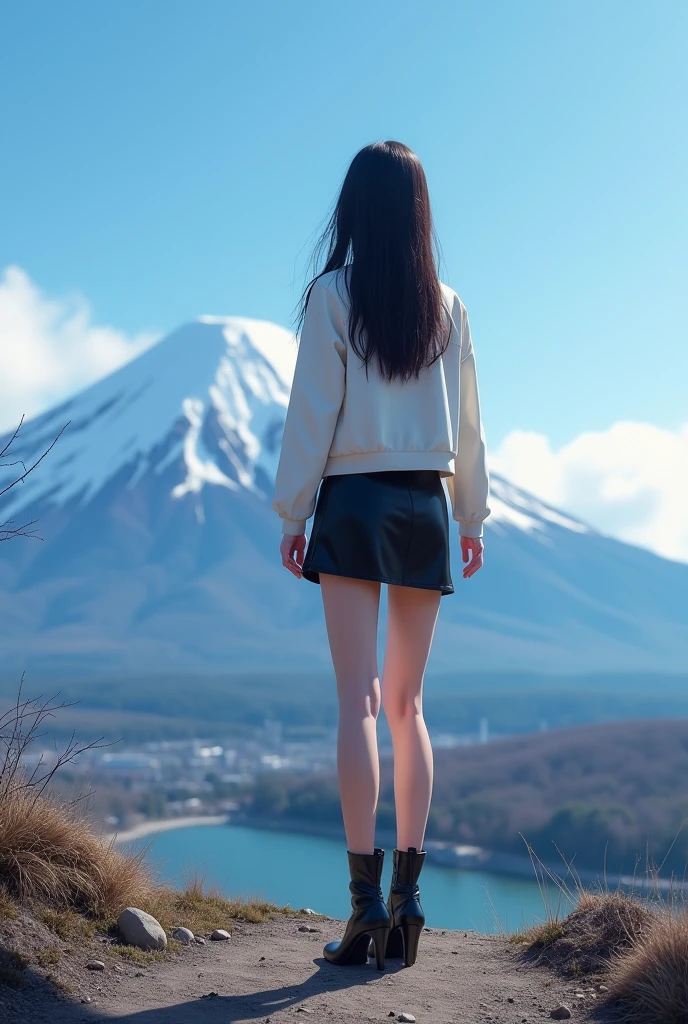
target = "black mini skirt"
x: 390, y: 526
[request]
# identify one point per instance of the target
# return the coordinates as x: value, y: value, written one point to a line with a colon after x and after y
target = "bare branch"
x: 8, y: 531
x: 19, y: 728
x: 38, y: 461
x: 11, y: 441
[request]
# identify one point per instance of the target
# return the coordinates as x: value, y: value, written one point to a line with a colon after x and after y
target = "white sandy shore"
x: 149, y: 828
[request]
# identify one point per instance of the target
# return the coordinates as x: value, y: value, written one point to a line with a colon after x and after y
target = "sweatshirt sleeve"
x: 469, y: 488
x: 316, y: 397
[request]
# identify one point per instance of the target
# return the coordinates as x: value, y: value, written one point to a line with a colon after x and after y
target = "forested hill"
x: 609, y: 794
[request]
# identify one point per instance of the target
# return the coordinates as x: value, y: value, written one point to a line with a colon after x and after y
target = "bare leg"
x: 351, y: 615
x: 412, y: 615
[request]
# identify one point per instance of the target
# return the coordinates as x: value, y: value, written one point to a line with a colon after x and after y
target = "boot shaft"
x: 406, y: 868
x: 365, y: 869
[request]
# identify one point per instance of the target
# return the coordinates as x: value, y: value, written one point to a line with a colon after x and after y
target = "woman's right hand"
x: 474, y: 545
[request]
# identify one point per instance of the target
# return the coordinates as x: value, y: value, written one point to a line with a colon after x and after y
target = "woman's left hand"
x: 292, y: 549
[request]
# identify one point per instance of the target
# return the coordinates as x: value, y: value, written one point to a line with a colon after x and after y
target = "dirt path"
x: 276, y: 972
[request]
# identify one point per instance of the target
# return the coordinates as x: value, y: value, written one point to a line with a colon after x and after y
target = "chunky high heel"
x: 406, y: 913
x: 370, y: 921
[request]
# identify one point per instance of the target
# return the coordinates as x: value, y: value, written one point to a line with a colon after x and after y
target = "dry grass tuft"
x: 69, y: 925
x: 51, y: 855
x: 600, y: 927
x: 202, y: 910
x: 540, y: 936
x: 134, y: 955
x: 9, y: 911
x: 49, y: 956
x: 650, y: 980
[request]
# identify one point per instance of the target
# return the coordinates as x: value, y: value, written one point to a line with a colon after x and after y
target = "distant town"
x: 123, y: 786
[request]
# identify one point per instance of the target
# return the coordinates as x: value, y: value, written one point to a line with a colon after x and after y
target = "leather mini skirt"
x: 390, y: 526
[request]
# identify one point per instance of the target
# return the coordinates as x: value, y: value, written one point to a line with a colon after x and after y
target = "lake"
x: 310, y: 871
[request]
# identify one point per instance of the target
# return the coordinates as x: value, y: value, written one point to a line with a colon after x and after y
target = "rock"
x: 303, y: 1009
x: 220, y: 935
x: 307, y: 928
x: 561, y: 1012
x: 95, y: 965
x: 602, y: 988
x: 86, y: 999
x: 210, y: 995
x: 392, y: 1013
x: 406, y: 1018
x: 509, y: 999
x: 307, y: 910
x: 183, y: 935
x: 141, y: 929
x: 200, y: 940
x: 118, y: 969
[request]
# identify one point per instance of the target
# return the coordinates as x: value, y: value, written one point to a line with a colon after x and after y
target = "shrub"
x: 650, y: 980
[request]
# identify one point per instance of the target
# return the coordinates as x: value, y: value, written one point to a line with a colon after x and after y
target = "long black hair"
x: 381, y: 229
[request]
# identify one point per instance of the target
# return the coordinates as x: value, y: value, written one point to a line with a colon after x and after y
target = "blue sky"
x: 166, y: 159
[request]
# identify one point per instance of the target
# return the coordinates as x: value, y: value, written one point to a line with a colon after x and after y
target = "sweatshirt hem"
x: 377, y: 462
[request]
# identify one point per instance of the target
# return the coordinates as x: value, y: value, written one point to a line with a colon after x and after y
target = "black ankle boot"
x: 369, y: 922
x: 405, y: 911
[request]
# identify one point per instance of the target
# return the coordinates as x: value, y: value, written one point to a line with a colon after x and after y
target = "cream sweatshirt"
x: 340, y: 421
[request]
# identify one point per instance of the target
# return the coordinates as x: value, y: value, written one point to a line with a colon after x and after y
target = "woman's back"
x: 344, y: 417
x: 384, y: 424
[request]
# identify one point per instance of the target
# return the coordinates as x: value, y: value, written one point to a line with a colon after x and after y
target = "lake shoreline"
x: 439, y: 852
x: 155, y: 825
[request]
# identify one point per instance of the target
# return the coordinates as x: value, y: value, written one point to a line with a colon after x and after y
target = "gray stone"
x: 561, y: 1012
x: 200, y: 940
x: 141, y: 929
x: 95, y: 965
x: 406, y: 1018
x: 183, y: 935
x: 220, y: 935
x: 307, y: 928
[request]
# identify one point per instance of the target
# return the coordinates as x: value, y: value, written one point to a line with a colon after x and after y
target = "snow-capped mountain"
x: 159, y: 546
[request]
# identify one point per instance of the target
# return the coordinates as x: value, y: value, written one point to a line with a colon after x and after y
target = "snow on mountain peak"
x: 209, y: 398
x: 212, y: 394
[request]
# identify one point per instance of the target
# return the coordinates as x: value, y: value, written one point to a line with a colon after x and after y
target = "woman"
x: 384, y: 405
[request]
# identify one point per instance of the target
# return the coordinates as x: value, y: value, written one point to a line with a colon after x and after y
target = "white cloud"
x: 630, y: 481
x: 50, y: 348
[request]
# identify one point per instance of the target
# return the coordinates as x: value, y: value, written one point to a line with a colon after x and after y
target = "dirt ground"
x: 272, y: 972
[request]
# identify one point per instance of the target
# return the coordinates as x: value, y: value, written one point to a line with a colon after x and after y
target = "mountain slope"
x: 160, y: 545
